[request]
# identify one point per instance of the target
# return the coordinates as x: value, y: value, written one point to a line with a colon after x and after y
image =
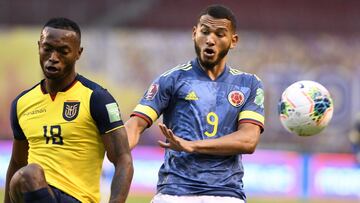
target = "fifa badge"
x: 152, y: 91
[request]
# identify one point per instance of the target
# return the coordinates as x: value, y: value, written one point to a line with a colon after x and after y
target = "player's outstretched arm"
x: 118, y: 152
x: 242, y: 141
x: 134, y: 128
x: 175, y: 142
x: 18, y: 159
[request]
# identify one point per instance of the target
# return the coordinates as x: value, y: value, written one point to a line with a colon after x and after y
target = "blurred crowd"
x: 126, y: 61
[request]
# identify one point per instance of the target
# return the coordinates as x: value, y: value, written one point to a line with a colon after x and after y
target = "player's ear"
x: 234, y: 40
x: 193, y: 33
x: 79, y: 53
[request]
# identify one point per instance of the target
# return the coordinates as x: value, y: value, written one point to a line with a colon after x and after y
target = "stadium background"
x: 128, y: 43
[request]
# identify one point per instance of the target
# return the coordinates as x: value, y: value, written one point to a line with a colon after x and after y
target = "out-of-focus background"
x: 128, y: 43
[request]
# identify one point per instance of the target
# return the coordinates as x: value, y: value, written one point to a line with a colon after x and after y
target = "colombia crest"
x: 236, y: 98
x: 71, y: 110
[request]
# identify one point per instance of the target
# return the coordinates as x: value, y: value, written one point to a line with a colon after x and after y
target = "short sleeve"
x: 105, y: 111
x: 253, y: 110
x: 155, y: 99
x: 17, y: 131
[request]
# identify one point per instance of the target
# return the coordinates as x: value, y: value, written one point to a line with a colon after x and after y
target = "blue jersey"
x: 198, y: 108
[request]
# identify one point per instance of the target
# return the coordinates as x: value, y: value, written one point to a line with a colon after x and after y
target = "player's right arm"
x: 149, y: 109
x: 134, y: 128
x: 18, y: 160
x: 20, y: 149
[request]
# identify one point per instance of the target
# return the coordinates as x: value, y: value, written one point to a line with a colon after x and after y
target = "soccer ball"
x: 305, y: 108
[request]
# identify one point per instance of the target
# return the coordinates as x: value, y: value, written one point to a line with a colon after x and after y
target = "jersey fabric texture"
x: 64, y: 133
x: 198, y: 108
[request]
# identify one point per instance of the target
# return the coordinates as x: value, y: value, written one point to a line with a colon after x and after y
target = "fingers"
x: 163, y: 128
x: 163, y: 144
x: 166, y: 131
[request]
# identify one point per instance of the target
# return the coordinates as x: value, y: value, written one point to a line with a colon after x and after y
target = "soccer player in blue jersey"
x: 62, y: 128
x: 212, y: 113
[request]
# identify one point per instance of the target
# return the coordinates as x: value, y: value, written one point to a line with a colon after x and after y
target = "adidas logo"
x: 191, y: 96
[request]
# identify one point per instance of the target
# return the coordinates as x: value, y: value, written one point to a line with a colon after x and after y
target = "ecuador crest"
x: 71, y: 110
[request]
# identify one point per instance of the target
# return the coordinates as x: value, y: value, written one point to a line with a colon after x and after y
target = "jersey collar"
x: 44, y: 91
x: 196, y: 64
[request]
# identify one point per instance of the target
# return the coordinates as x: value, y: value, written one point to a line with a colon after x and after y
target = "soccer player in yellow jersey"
x: 62, y: 128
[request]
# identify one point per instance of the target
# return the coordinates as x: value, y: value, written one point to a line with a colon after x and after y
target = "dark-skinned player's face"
x: 59, y: 49
x: 212, y: 39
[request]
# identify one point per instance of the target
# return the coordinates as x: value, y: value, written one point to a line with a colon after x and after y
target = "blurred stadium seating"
x: 128, y: 43
x: 127, y: 68
x: 280, y: 41
x: 262, y: 15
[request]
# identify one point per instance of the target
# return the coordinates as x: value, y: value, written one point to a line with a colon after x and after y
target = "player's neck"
x: 214, y: 72
x: 53, y: 86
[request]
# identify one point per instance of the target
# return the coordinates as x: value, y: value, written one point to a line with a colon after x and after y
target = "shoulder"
x: 23, y: 93
x: 98, y: 92
x: 177, y: 70
x: 97, y: 89
x: 89, y: 83
x: 243, y: 75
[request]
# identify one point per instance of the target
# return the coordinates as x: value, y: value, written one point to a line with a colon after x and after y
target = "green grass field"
x: 146, y: 199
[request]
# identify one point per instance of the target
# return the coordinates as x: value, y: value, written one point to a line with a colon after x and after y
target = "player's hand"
x: 174, y: 142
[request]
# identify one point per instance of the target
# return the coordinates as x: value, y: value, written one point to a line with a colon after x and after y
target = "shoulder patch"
x: 259, y: 99
x: 152, y: 91
x: 113, y: 112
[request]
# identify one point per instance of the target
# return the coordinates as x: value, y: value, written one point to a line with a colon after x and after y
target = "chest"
x: 44, y: 119
x: 208, y: 95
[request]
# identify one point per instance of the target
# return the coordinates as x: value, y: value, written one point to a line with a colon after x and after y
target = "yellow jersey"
x: 64, y: 133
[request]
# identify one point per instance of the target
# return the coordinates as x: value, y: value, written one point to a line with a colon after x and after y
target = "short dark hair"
x: 220, y: 12
x: 64, y: 23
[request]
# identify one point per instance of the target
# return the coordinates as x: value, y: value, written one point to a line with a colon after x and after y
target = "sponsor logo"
x: 152, y: 91
x: 34, y: 112
x: 191, y: 96
x: 113, y: 112
x: 71, y: 110
x: 236, y: 98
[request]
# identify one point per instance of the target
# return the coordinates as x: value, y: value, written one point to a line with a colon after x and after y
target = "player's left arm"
x: 106, y: 113
x: 118, y: 152
x: 242, y: 141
